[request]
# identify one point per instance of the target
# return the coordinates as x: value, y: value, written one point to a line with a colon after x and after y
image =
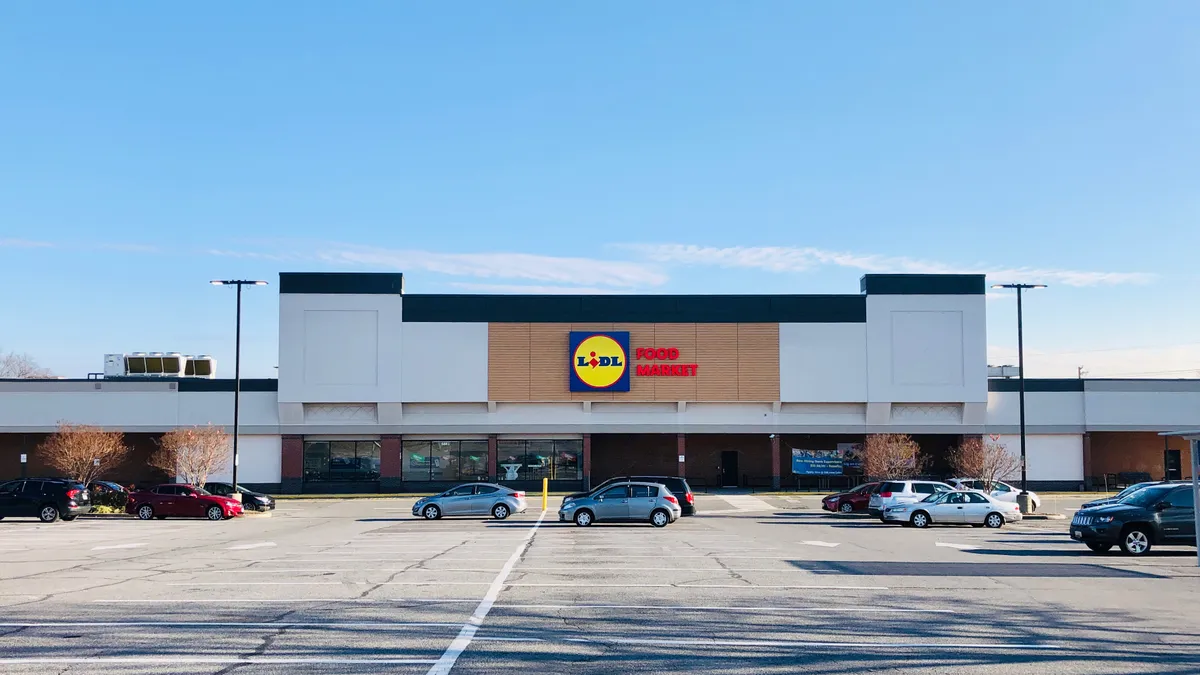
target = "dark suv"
x: 677, y: 485
x: 47, y: 499
x: 1159, y: 514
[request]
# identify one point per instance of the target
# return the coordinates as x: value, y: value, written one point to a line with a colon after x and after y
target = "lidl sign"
x: 599, y: 361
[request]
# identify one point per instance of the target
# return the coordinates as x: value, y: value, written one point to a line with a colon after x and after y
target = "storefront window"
x: 416, y: 460
x: 541, y: 458
x: 473, y: 460
x: 341, y: 460
x: 445, y: 461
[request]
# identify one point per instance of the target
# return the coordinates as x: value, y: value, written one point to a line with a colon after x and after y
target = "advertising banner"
x: 851, y: 456
x: 817, y: 462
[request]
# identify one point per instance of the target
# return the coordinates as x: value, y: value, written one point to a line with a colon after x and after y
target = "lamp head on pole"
x: 237, y: 282
x: 1021, y: 286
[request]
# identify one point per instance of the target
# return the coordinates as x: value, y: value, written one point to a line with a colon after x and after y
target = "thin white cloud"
x: 502, y: 265
x: 532, y: 289
x: 24, y: 243
x: 796, y: 259
x: 1167, y: 361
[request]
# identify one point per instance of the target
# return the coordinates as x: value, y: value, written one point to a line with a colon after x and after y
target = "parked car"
x: 1124, y: 493
x: 182, y: 501
x: 46, y: 499
x: 961, y: 507
x: 1158, y: 514
x: 108, y: 493
x: 895, y: 492
x: 250, y: 499
x: 676, y: 484
x: 636, y: 502
x: 472, y: 499
x: 852, y: 501
x: 1000, y: 490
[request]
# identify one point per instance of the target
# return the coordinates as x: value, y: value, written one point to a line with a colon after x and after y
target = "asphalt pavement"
x: 752, y: 585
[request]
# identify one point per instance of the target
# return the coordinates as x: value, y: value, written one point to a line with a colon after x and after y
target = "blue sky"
x: 616, y: 147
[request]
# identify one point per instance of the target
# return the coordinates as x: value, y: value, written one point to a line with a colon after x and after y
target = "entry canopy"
x: 1192, y: 435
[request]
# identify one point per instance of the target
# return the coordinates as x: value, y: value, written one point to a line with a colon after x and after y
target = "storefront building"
x: 379, y: 391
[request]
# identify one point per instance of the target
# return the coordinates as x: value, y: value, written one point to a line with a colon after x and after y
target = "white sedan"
x: 962, y: 507
x: 1000, y: 490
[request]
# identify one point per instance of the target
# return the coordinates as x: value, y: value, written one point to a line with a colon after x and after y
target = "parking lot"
x: 753, y: 585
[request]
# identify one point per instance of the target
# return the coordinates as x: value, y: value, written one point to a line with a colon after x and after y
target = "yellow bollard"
x: 545, y: 492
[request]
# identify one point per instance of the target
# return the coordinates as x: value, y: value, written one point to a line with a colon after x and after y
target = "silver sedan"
x: 961, y: 507
x: 472, y: 499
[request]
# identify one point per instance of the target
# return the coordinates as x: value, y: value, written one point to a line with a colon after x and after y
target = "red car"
x: 185, y: 501
x: 853, y: 501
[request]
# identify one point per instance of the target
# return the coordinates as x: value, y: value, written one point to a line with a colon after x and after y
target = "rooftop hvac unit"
x: 159, y: 364
x: 1004, y: 371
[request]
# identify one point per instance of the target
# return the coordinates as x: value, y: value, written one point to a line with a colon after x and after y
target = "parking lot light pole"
x: 237, y: 369
x: 1023, y: 497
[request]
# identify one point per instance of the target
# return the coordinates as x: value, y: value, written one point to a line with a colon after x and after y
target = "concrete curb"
x: 1043, y: 516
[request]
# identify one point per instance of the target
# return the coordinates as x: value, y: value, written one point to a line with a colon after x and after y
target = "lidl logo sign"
x: 599, y: 361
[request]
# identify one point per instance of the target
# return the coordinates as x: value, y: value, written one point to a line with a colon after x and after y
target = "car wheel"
x: 1136, y: 542
x: 920, y: 520
x: 846, y: 507
x: 1098, y: 547
x: 994, y: 521
x: 69, y: 518
x: 500, y: 511
x: 146, y: 512
x: 583, y: 518
x: 215, y: 513
x: 660, y: 518
x: 48, y: 514
x: 432, y: 512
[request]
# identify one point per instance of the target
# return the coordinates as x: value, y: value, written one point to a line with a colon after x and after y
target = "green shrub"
x: 103, y: 508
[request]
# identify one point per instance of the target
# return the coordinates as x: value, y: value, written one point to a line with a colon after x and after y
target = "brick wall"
x: 1120, y: 451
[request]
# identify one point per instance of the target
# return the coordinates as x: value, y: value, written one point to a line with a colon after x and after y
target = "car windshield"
x: 937, y: 496
x: 202, y: 492
x: 1147, y: 496
x: 1132, y: 489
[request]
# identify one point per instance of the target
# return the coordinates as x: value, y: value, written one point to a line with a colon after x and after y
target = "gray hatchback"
x: 472, y: 499
x: 624, y: 502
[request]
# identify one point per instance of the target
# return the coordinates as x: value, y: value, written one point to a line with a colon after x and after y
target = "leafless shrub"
x: 83, y: 453
x: 891, y: 456
x: 193, y: 453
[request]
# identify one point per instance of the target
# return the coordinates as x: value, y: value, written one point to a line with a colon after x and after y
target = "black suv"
x: 47, y: 499
x: 1159, y: 514
x: 677, y: 485
x: 251, y: 500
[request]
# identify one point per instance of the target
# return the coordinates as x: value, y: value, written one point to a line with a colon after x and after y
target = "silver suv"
x: 624, y: 502
x: 895, y: 492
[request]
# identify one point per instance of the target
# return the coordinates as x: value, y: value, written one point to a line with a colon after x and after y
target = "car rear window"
x: 485, y: 490
x: 676, y: 485
x: 924, y: 488
x: 643, y: 491
x: 891, y: 487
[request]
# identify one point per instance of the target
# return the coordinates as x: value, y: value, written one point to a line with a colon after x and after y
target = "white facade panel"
x: 926, y: 348
x: 445, y: 363
x: 1048, y: 456
x: 257, y: 408
x: 339, y: 348
x: 258, y: 461
x: 1161, y: 410
x: 823, y: 362
x: 108, y: 409
x: 1052, y: 408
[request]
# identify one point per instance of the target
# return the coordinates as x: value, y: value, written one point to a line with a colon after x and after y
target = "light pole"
x: 1023, y: 498
x: 237, y: 367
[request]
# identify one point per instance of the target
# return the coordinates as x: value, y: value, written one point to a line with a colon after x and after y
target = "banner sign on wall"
x: 599, y: 361
x: 851, y: 455
x: 817, y: 462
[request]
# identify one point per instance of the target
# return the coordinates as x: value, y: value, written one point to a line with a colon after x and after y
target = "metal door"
x: 1174, y: 466
x: 613, y: 503
x: 729, y: 468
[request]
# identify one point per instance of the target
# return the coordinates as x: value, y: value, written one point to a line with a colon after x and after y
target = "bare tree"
x: 21, y: 366
x: 983, y: 460
x: 84, y: 453
x: 193, y: 453
x: 890, y: 456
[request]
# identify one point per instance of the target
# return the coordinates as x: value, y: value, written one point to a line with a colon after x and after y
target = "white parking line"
x: 116, y: 546
x: 231, y: 624
x: 247, y: 547
x: 781, y: 644
x: 961, y: 547
x: 460, y: 644
x: 226, y: 601
x: 175, y: 659
x: 826, y: 544
x: 736, y: 608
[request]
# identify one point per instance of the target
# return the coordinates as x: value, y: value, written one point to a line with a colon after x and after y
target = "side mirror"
x: 1162, y: 506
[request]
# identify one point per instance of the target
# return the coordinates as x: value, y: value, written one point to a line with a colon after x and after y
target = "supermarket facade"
x: 382, y: 391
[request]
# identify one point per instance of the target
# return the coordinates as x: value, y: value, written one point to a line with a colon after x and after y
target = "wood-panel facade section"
x: 737, y: 362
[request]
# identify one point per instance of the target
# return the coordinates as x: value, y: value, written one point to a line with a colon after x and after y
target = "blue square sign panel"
x: 599, y: 361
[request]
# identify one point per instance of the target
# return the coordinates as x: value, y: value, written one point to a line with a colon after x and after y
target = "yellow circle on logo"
x: 599, y: 361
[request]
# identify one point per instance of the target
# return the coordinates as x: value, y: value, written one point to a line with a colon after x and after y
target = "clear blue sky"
x: 622, y: 147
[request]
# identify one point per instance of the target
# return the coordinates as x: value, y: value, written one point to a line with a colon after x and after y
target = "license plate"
x: 1077, y: 535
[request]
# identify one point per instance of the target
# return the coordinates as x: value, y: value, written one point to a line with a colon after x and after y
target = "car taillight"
x: 691, y: 498
x: 72, y: 494
x: 885, y: 495
x: 671, y: 498
x: 519, y: 495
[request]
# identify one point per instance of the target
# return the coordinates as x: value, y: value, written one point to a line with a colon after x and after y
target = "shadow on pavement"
x: 966, y: 569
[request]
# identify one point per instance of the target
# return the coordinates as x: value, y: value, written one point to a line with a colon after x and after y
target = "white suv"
x: 1001, y: 491
x: 895, y: 492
